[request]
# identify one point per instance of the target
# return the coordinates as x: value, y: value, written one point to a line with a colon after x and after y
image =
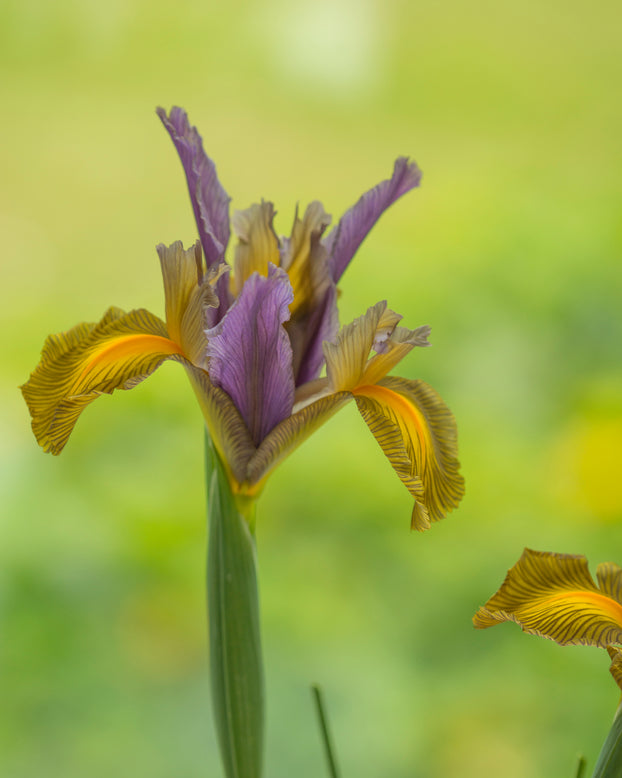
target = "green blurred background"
x: 510, y: 251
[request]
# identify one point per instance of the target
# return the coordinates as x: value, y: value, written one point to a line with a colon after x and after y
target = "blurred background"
x: 510, y: 251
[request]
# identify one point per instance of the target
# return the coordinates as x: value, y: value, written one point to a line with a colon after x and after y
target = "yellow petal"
x: 89, y: 360
x: 306, y: 260
x: 347, y: 357
x: 258, y: 246
x: 554, y: 595
x: 609, y: 577
x: 348, y: 364
x: 417, y: 432
x: 616, y: 664
x: 399, y: 342
x: 187, y: 294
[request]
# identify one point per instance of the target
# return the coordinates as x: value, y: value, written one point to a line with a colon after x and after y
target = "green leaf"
x: 609, y: 764
x: 233, y: 610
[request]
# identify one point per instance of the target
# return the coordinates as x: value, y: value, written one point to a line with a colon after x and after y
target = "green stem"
x: 233, y: 612
x: 609, y: 764
x: 326, y: 739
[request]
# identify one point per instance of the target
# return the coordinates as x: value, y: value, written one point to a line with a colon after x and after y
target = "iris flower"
x: 554, y: 596
x: 254, y: 336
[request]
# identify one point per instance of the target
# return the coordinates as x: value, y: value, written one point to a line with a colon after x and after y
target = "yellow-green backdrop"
x: 510, y: 251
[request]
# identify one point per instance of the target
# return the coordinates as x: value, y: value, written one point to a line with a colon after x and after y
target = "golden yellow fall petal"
x: 609, y: 577
x: 79, y: 365
x: 554, y: 596
x: 258, y: 246
x: 389, y: 436
x: 417, y: 433
x: 616, y: 664
x: 289, y: 434
x: 188, y: 292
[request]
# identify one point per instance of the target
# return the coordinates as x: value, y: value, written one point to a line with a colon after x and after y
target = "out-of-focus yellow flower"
x: 585, y: 464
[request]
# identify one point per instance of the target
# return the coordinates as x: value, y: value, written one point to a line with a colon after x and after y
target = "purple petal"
x: 250, y: 353
x: 210, y: 202
x: 347, y: 236
x: 308, y: 334
x: 223, y: 292
x: 314, y: 315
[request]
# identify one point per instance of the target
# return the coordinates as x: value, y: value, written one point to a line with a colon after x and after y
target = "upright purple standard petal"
x: 308, y: 335
x: 210, y: 202
x: 250, y: 355
x: 314, y: 316
x: 347, y: 236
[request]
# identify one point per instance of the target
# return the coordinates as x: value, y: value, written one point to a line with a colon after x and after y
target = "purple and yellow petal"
x: 314, y: 317
x: 226, y: 426
x: 554, y: 596
x: 289, y: 434
x: 347, y: 236
x: 250, y: 356
x: 417, y: 433
x: 258, y: 246
x: 305, y: 259
x: 210, y: 202
x: 79, y: 365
